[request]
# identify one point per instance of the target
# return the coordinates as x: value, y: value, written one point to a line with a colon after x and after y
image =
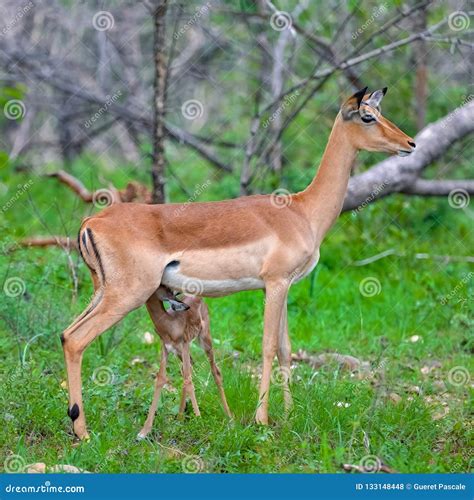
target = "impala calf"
x: 177, y: 330
x: 219, y: 248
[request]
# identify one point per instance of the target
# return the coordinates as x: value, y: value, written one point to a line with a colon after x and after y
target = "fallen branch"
x: 133, y: 192
x: 49, y: 241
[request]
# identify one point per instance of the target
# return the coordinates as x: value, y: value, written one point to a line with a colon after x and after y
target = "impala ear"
x: 351, y: 106
x: 376, y: 97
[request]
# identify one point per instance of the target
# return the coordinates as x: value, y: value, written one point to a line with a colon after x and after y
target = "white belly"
x: 190, y: 285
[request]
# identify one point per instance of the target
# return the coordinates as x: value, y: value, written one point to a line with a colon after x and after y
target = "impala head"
x: 368, y: 129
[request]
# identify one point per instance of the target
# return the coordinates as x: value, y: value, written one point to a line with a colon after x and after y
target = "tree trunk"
x: 159, y: 130
x: 420, y: 53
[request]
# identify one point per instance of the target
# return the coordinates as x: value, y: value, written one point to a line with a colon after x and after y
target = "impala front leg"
x: 284, y: 358
x: 275, y: 301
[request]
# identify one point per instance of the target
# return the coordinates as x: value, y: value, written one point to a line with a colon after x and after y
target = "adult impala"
x: 218, y: 248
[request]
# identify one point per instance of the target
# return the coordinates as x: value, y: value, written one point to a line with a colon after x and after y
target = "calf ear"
x: 376, y: 97
x: 351, y: 106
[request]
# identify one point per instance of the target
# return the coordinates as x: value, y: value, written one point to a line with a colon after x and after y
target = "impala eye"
x: 367, y: 119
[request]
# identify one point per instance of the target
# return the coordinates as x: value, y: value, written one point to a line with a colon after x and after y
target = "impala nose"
x: 412, y: 144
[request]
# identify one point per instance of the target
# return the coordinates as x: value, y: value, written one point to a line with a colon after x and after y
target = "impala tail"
x: 90, y: 253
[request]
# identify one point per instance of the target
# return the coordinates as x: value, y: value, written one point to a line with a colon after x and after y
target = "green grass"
x: 327, y: 312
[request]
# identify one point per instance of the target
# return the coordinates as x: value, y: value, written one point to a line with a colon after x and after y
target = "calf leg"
x: 188, y: 386
x: 161, y: 380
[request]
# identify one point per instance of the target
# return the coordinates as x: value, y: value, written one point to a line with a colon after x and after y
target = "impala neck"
x: 324, y: 197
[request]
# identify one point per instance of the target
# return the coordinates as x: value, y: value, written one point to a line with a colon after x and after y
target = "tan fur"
x: 224, y: 246
x: 177, y: 330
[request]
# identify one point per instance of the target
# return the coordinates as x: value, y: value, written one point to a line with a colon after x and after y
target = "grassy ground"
x: 415, y: 331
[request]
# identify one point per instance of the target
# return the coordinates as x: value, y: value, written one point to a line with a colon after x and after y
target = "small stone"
x: 395, y: 398
x: 148, y: 338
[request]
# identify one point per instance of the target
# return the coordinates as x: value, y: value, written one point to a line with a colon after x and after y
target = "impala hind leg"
x: 275, y: 301
x: 188, y: 386
x: 284, y: 359
x: 107, y: 312
x: 160, y: 382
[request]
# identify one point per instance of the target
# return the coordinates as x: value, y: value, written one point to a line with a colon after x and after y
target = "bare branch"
x: 130, y: 114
